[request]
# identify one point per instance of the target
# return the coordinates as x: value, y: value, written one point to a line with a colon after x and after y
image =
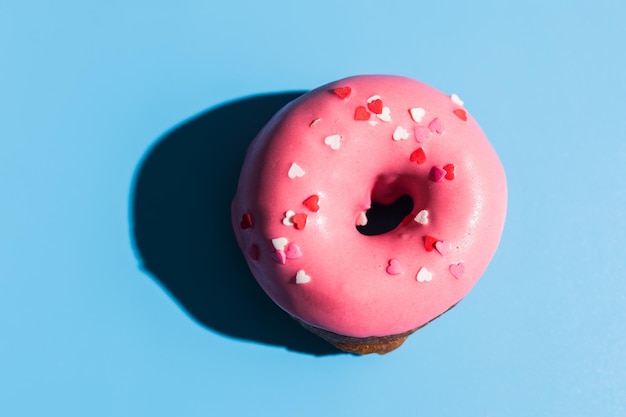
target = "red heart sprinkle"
x: 461, y: 114
x: 361, y: 113
x: 407, y: 220
x: 312, y: 203
x: 418, y: 156
x: 376, y: 106
x: 450, y: 174
x: 342, y: 92
x: 429, y: 243
x: 299, y: 220
x: 254, y: 252
x: 246, y: 221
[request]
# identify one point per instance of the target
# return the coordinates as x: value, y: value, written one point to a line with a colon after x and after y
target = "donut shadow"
x: 181, y: 229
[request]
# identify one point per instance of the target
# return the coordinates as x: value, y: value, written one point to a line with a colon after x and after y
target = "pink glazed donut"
x: 311, y: 176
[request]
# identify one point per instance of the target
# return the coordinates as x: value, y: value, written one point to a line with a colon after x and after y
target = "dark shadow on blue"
x: 182, y: 232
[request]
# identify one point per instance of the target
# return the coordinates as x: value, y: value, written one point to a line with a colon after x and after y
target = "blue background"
x: 109, y: 227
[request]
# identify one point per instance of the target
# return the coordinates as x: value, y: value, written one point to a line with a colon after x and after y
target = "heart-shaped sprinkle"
x: 333, y: 141
x: 373, y: 98
x: 385, y: 116
x: 361, y: 113
x: 362, y: 219
x: 443, y: 247
x: 312, y: 203
x: 246, y: 221
x: 429, y: 243
x: 293, y: 251
x: 417, y: 114
x: 302, y: 277
x: 418, y: 156
x: 450, y: 171
x: 456, y: 100
x: 457, y: 270
x: 253, y: 252
x: 394, y: 267
x: 287, y: 221
x: 422, y: 217
x: 424, y: 275
x: 342, y: 92
x: 299, y: 220
x: 314, y: 122
x: 400, y: 134
x: 437, y: 174
x: 280, y: 257
x: 407, y: 219
x: 436, y: 126
x: 373, y: 122
x: 461, y: 114
x: 422, y: 133
x: 376, y: 106
x: 295, y: 171
x: 279, y: 243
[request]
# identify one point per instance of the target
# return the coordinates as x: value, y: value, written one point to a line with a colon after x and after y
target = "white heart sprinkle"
x: 333, y: 141
x: 295, y: 171
x: 400, y: 133
x: 362, y: 220
x: 385, y: 116
x: 288, y: 215
x: 456, y: 99
x: 424, y: 275
x: 302, y: 277
x: 422, y: 217
x: 279, y: 243
x: 417, y: 114
x: 373, y: 122
x: 373, y: 98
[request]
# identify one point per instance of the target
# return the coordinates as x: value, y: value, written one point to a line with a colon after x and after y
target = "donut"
x: 308, y: 189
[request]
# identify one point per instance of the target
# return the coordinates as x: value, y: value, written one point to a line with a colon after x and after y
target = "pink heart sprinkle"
x: 280, y: 257
x: 457, y: 270
x: 437, y: 174
x: 421, y: 133
x: 293, y: 251
x: 443, y: 247
x: 394, y: 267
x: 436, y: 126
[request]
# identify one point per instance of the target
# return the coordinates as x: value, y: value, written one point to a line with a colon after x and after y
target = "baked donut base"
x: 364, y: 345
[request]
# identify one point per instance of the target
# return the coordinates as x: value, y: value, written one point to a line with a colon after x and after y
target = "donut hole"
x: 393, y: 198
x: 383, y: 218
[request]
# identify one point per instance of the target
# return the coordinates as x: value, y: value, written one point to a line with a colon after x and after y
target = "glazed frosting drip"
x: 311, y: 175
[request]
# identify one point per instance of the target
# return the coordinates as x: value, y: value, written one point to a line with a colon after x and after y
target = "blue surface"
x: 103, y: 106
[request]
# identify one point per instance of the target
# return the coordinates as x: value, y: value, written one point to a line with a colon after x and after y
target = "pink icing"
x: 343, y: 281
